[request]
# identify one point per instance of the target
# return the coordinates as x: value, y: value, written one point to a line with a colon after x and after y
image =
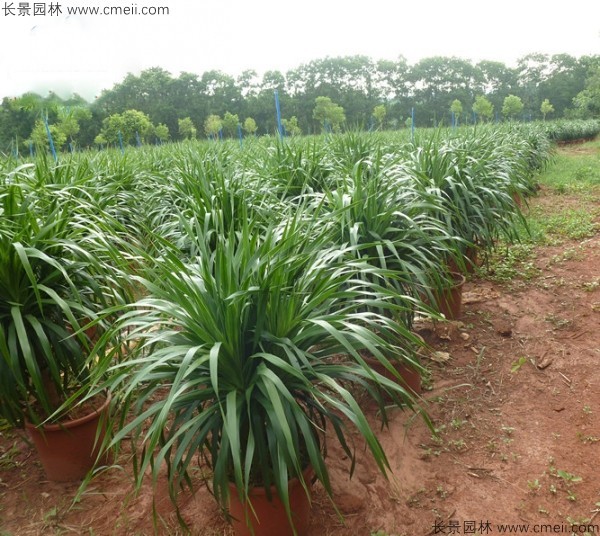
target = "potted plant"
x: 378, y: 211
x: 469, y: 180
x: 238, y: 362
x: 53, y: 281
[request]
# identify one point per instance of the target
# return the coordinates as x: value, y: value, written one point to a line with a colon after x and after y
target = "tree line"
x: 327, y: 93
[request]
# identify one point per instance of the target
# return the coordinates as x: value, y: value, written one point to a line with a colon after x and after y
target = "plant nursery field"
x: 511, y: 386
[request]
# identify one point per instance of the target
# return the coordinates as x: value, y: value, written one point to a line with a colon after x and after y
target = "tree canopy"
x: 356, y: 86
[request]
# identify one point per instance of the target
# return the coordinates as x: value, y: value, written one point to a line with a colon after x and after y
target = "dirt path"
x: 516, y: 402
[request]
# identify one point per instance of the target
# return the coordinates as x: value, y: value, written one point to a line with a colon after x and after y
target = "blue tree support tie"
x: 50, y: 141
x: 278, y: 112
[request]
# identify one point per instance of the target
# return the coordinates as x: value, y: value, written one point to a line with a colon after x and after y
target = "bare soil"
x: 514, y: 394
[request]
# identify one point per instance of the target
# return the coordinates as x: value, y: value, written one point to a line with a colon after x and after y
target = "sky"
x: 70, y: 53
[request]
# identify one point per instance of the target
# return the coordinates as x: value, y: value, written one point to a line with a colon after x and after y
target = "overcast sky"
x: 84, y: 54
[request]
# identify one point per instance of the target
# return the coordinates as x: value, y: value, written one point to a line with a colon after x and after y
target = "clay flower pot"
x: 70, y: 449
x: 471, y: 261
x: 449, y: 300
x: 410, y: 376
x: 268, y: 517
x: 517, y: 199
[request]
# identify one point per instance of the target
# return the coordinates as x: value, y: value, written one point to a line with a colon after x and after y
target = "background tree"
x: 70, y: 118
x: 512, y: 106
x: 349, y: 81
x: 495, y: 80
x: 39, y: 136
x: 187, y: 130
x: 153, y: 93
x: 587, y: 101
x: 18, y: 116
x: 220, y: 92
x: 230, y: 124
x: 136, y: 123
x: 111, y: 126
x: 291, y: 126
x: 213, y: 125
x: 456, y: 108
x: 326, y: 112
x: 533, y: 71
x: 566, y: 78
x: 250, y: 126
x: 438, y: 80
x: 161, y: 132
x: 546, y: 108
x: 356, y: 84
x: 131, y: 123
x: 483, y: 108
x: 100, y: 140
x: 379, y: 113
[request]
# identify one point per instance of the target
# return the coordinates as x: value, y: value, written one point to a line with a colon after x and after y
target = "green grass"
x: 564, y: 223
x: 517, y: 261
x: 575, y: 168
x: 570, y: 212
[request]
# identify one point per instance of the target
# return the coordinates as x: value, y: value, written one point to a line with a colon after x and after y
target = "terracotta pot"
x: 518, y: 199
x: 410, y: 376
x: 449, y: 300
x: 268, y: 517
x: 470, y: 261
x: 70, y: 449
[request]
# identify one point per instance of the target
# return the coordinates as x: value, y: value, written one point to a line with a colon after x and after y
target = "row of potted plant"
x: 236, y: 313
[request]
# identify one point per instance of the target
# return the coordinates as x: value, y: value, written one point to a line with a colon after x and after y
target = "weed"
x: 574, y: 224
x: 50, y: 518
x: 578, y: 522
x: 457, y: 423
x: 516, y: 365
x: 428, y: 453
x: 415, y: 498
x: 568, y: 477
x: 492, y: 446
x: 587, y: 438
x: 557, y: 322
x: 534, y: 485
x: 441, y: 492
x: 516, y: 262
x: 569, y: 254
x: 457, y: 444
x: 591, y: 286
x: 7, y: 458
x: 437, y: 440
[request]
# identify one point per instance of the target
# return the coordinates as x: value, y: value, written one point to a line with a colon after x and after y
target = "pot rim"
x: 71, y: 423
x: 307, y: 474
